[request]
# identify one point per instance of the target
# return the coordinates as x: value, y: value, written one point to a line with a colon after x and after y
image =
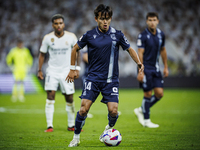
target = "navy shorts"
x: 152, y: 79
x: 109, y: 91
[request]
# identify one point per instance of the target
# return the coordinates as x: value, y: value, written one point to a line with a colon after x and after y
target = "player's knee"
x: 159, y: 95
x: 83, y: 111
x: 69, y: 98
x: 113, y: 113
x: 51, y: 95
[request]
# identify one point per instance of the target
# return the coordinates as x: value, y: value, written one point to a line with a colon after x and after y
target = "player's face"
x: 152, y: 22
x: 103, y: 22
x: 58, y: 26
x: 20, y: 45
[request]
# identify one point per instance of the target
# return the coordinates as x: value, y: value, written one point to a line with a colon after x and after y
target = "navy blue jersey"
x: 103, y: 53
x: 151, y: 45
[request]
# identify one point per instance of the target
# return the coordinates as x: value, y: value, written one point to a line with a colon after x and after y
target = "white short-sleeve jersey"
x: 59, y: 51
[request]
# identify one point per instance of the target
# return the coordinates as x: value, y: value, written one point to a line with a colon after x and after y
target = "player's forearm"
x: 164, y: 57
x: 74, y: 54
x: 41, y: 61
x: 78, y: 59
x: 134, y: 55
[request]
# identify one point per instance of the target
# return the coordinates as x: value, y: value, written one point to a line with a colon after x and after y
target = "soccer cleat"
x: 72, y: 129
x: 49, y: 129
x: 101, y: 136
x: 74, y: 143
x: 138, y: 112
x: 149, y: 124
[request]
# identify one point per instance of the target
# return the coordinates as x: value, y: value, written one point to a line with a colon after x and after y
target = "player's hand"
x: 71, y: 76
x: 40, y: 75
x: 140, y: 77
x: 77, y: 74
x: 141, y: 67
x: 166, y: 72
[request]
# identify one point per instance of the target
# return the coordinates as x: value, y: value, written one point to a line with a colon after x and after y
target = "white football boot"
x: 149, y: 124
x: 101, y: 136
x: 75, y: 142
x: 138, y: 112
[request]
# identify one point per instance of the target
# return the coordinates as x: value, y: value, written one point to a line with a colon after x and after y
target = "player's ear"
x: 95, y: 19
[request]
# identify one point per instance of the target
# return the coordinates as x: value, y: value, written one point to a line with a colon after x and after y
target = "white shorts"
x: 52, y: 81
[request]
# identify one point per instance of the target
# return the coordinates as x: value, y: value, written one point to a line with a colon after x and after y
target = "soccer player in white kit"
x: 59, y: 44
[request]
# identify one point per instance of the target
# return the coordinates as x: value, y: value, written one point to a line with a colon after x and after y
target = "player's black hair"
x: 57, y: 16
x: 19, y: 41
x: 104, y: 10
x: 152, y: 14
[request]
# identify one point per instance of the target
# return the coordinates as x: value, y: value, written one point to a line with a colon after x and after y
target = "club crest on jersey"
x: 94, y: 36
x: 113, y: 36
x: 52, y: 39
x: 148, y: 36
x: 66, y: 43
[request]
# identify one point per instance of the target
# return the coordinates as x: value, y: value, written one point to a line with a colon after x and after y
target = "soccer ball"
x: 112, y: 137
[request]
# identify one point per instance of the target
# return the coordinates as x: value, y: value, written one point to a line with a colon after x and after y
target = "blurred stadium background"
x: 30, y: 20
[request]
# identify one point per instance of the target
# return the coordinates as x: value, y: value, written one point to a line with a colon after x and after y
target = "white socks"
x: 49, y: 110
x: 71, y: 114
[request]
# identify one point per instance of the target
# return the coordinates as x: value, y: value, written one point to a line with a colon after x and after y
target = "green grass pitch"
x: 22, y: 125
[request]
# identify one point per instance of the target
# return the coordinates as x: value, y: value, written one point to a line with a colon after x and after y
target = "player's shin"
x: 71, y: 114
x: 153, y: 100
x: 112, y: 120
x: 49, y: 110
x: 79, y: 123
x: 146, y: 107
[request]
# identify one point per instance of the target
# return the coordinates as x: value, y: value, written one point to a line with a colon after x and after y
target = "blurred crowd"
x: 30, y: 20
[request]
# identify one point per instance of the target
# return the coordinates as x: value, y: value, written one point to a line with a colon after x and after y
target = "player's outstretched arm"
x: 135, y: 57
x: 163, y: 54
x: 73, y: 73
x: 41, y: 61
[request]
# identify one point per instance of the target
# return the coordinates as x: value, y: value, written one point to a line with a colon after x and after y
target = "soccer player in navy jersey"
x: 103, y: 49
x: 151, y: 44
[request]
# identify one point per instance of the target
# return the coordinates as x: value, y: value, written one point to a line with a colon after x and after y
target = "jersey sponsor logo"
x: 139, y: 42
x: 113, y: 36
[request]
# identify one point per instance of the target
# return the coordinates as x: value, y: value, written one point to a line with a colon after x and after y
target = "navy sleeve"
x: 82, y: 41
x: 140, y: 41
x: 124, y: 41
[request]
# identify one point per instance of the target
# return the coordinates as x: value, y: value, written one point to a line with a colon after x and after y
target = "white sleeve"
x: 74, y: 40
x: 44, y: 46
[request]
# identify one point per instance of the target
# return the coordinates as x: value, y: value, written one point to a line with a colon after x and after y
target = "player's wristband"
x: 78, y: 68
x: 73, y: 67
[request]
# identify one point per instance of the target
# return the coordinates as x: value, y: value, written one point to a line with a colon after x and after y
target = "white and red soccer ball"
x: 112, y: 137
